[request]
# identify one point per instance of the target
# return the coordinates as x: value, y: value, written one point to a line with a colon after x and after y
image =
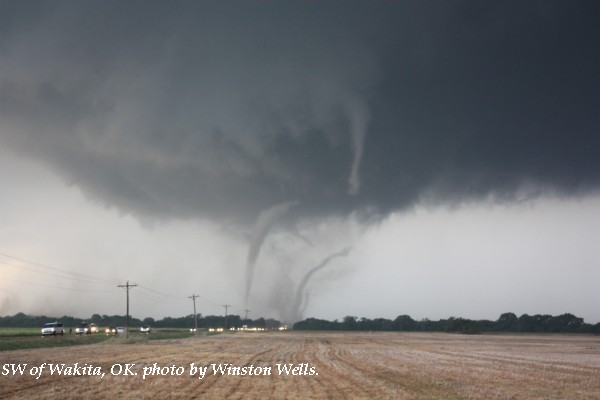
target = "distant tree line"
x: 508, y: 322
x: 21, y: 320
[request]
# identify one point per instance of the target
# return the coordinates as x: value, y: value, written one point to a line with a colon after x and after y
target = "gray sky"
x: 227, y: 149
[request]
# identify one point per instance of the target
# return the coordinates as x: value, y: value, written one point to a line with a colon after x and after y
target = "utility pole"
x: 127, y: 286
x: 193, y: 297
x: 226, y: 307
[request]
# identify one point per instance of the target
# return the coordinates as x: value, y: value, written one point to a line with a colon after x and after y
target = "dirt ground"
x: 328, y: 366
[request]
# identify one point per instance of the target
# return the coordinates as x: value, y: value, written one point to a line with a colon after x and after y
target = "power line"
x: 63, y: 273
x: 175, y: 297
x: 70, y: 274
x: 38, y: 271
x: 56, y: 287
x: 149, y: 297
x: 161, y: 293
x: 208, y: 301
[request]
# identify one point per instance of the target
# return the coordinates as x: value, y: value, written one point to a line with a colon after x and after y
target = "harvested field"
x: 346, y: 366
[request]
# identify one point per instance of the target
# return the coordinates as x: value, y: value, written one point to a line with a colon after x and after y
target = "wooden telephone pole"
x: 127, y: 286
x: 193, y: 297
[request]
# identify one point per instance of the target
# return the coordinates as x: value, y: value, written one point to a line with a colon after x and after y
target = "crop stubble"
x: 349, y: 366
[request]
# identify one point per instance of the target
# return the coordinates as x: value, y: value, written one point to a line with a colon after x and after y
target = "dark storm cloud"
x: 223, y: 109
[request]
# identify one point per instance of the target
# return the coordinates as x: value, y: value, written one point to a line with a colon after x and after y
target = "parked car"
x: 120, y: 329
x: 53, y: 328
x: 145, y: 329
x: 111, y: 330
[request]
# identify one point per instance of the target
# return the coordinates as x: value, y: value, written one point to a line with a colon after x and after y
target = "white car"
x: 53, y: 328
x: 120, y: 329
x: 145, y: 329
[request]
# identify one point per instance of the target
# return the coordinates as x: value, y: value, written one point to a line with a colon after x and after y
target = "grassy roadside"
x: 30, y: 338
x: 19, y: 342
x: 11, y: 332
